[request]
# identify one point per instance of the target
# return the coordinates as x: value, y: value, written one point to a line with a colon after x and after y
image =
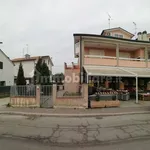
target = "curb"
x: 72, y: 115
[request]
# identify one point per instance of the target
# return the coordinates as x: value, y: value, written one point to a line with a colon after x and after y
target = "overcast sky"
x: 47, y: 26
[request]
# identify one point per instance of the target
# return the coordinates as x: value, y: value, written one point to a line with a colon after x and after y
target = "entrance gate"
x: 46, y: 100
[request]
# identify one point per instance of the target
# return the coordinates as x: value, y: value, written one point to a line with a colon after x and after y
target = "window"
x: 1, y: 65
x: 119, y: 35
x: 116, y: 35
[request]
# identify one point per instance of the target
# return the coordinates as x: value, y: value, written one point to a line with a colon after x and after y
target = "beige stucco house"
x: 114, y: 53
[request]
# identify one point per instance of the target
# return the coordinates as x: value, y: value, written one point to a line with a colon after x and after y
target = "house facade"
x: 29, y: 64
x: 117, y: 55
x: 6, y: 70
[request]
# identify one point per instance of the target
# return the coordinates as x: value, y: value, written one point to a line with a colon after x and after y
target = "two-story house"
x: 114, y: 54
x: 6, y: 70
x: 29, y: 64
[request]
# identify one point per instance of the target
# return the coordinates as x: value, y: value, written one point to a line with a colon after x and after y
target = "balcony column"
x: 81, y: 59
x: 146, y: 56
x: 117, y: 54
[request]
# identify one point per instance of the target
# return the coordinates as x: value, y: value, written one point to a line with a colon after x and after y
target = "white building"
x: 29, y: 64
x: 6, y: 70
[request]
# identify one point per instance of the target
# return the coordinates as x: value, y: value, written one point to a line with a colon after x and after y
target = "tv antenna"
x: 135, y: 27
x: 109, y: 19
x: 27, y: 48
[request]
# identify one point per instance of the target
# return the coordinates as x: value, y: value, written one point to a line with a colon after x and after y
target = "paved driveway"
x: 4, y: 101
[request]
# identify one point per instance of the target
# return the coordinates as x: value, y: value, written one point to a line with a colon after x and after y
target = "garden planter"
x: 102, y: 104
x: 98, y: 104
x: 115, y: 103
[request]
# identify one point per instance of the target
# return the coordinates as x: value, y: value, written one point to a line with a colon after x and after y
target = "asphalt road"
x: 58, y: 131
x: 15, y: 144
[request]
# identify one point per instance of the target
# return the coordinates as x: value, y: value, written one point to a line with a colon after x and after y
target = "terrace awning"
x: 108, y: 71
x: 117, y: 71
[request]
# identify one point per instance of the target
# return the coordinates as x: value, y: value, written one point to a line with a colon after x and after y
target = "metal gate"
x: 46, y: 96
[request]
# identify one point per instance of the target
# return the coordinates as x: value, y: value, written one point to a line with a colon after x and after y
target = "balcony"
x: 100, y: 60
x: 112, y: 61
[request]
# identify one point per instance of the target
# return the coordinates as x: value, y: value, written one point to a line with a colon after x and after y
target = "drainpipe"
x: 136, y: 90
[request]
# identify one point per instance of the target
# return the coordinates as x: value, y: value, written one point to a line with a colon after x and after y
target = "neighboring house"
x: 29, y: 64
x: 114, y: 54
x: 6, y: 70
x: 118, y: 33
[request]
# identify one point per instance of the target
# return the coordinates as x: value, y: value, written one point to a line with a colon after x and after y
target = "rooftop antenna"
x: 27, y: 48
x: 135, y: 27
x: 23, y: 52
x: 109, y: 19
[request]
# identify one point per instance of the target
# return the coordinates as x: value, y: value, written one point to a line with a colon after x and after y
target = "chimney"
x: 27, y: 56
x: 144, y: 36
x: 139, y: 36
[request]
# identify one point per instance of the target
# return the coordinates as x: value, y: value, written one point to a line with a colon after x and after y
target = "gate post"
x: 38, y: 94
x: 85, y: 94
x: 54, y: 94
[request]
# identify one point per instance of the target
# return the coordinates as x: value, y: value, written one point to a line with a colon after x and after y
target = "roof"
x: 6, y: 57
x: 31, y: 59
x: 109, y: 37
x: 117, y: 71
x: 25, y: 59
x: 119, y: 29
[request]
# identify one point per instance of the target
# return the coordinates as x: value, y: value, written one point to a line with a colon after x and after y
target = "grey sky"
x: 48, y: 25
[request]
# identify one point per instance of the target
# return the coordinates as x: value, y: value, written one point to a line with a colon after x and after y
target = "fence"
x: 23, y: 91
x: 48, y: 96
x: 24, y: 96
x: 4, y: 91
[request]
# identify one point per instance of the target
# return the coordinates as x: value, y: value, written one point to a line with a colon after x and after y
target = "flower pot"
x: 115, y: 103
x: 98, y: 104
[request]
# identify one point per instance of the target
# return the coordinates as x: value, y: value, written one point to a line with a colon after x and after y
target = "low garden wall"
x: 70, y: 102
x: 23, y: 102
x: 74, y: 101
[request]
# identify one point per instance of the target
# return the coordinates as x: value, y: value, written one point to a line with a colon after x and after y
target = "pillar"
x: 117, y: 54
x: 136, y: 89
x: 85, y: 94
x: 81, y: 59
x: 38, y: 94
x: 146, y: 57
x: 54, y: 94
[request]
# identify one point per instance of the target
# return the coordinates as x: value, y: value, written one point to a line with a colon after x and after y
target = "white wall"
x: 6, y: 74
x: 28, y: 67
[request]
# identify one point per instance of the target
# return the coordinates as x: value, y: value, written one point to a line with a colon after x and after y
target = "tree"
x: 45, y: 72
x: 20, y: 77
x: 58, y: 78
x: 37, y: 72
x: 41, y: 73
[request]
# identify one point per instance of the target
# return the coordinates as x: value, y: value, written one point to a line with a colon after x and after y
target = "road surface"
x: 15, y: 144
x: 76, y: 131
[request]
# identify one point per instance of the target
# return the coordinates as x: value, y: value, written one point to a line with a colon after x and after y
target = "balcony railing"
x: 112, y: 61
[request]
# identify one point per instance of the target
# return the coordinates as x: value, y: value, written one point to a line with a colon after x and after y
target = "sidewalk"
x: 70, y: 112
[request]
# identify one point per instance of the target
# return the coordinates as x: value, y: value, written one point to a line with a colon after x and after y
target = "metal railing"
x: 23, y: 91
x: 110, y: 57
